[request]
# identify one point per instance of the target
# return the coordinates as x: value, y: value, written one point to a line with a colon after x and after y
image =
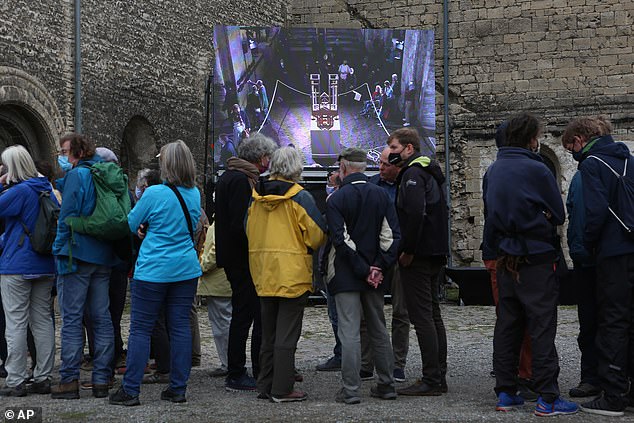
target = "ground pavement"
x: 470, y: 397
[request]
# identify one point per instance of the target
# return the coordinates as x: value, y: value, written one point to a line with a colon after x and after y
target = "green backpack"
x: 109, y: 220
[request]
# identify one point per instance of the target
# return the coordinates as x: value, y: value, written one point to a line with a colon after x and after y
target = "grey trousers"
x: 350, y: 307
x: 219, y: 311
x: 400, y: 329
x: 27, y: 302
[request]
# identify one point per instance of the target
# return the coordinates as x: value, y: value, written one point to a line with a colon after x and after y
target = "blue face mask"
x: 138, y: 193
x: 330, y: 189
x: 64, y: 163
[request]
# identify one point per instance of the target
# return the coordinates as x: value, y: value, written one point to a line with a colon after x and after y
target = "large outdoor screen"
x: 321, y: 90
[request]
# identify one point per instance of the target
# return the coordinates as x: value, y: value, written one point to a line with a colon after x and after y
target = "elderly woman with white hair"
x: 166, y: 271
x: 26, y: 276
x: 283, y: 227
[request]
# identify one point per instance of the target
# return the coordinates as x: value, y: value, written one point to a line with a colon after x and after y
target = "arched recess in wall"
x: 138, y: 146
x: 28, y: 114
x: 552, y: 162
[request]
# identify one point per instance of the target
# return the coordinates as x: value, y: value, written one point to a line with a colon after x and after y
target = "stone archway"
x: 138, y: 146
x: 28, y: 114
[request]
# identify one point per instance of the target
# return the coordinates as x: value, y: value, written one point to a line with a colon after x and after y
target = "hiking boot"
x: 558, y: 407
x: 14, y: 391
x: 86, y: 385
x: 171, y: 396
x: 365, y: 375
x: 420, y: 389
x: 333, y: 364
x: 399, y: 375
x: 347, y: 399
x: 122, y: 398
x: 43, y: 387
x: 508, y: 402
x: 383, y: 392
x: 241, y: 384
x: 294, y: 396
x: 68, y: 390
x: 603, y: 407
x: 219, y: 372
x: 100, y: 390
x: 157, y: 377
x: 584, y: 389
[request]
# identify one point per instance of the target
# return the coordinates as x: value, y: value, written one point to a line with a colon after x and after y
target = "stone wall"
x: 556, y: 58
x: 141, y: 60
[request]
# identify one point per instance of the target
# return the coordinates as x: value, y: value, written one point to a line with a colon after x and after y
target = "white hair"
x: 355, y: 166
x: 286, y: 163
x: 19, y: 164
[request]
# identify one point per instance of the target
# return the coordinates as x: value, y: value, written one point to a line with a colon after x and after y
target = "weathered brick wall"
x: 147, y: 58
x: 556, y: 58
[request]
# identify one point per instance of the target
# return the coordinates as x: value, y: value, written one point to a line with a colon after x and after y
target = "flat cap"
x: 353, y: 154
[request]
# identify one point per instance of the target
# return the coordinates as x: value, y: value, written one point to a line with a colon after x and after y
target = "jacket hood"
x: 38, y: 184
x: 273, y: 192
x: 429, y: 165
x: 606, y: 145
x: 518, y: 152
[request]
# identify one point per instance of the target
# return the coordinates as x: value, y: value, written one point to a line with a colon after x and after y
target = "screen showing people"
x: 321, y: 90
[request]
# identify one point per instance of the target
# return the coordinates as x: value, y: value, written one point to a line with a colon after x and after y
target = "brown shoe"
x: 420, y: 389
x: 68, y: 390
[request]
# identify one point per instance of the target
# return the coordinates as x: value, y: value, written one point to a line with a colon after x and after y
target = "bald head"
x: 388, y: 171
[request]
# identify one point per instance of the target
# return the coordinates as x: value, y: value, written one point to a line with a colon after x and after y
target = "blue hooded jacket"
x: 78, y: 199
x: 603, y: 234
x: 519, y: 190
x: 20, y: 204
x: 576, y: 223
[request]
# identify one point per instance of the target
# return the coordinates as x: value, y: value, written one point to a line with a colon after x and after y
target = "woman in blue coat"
x: 26, y: 276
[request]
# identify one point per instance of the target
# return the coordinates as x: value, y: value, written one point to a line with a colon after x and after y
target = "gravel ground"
x: 470, y: 397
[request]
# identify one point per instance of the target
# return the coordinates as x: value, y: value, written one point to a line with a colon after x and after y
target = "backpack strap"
x: 185, y: 212
x: 617, y: 174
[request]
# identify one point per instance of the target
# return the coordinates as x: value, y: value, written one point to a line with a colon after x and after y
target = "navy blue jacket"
x: 518, y: 191
x: 577, y: 222
x: 19, y: 204
x: 603, y: 235
x: 389, y: 187
x: 364, y: 231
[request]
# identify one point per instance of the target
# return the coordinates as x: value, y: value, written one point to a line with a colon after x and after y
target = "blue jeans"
x: 87, y: 288
x: 147, y: 298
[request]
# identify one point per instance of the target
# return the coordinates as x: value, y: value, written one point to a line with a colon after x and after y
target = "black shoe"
x: 169, y: 395
x: 3, y: 372
x: 383, y: 392
x: 43, y: 387
x: 333, y: 364
x: 584, y: 390
x: 603, y: 407
x: 420, y: 389
x: 122, y: 398
x: 14, y: 391
x: 443, y: 386
x: 100, y: 390
x: 264, y: 396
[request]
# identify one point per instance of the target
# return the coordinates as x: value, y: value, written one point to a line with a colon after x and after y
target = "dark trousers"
x: 117, y: 291
x: 160, y: 343
x: 420, y: 286
x: 528, y: 304
x: 281, y: 328
x: 585, y: 279
x: 615, y: 332
x: 245, y: 312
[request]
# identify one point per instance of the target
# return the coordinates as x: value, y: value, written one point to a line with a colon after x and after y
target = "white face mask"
x: 536, y: 149
x: 330, y: 189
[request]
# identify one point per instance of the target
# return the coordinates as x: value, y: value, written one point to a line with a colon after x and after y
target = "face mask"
x: 577, y: 155
x: 138, y: 193
x: 395, y: 158
x: 536, y: 149
x: 64, y: 163
x: 330, y: 189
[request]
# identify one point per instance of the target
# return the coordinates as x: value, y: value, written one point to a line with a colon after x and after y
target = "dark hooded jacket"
x: 603, y: 234
x: 422, y: 208
x: 519, y: 191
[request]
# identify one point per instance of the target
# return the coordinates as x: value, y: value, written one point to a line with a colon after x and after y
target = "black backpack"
x: 624, y: 206
x: 45, y: 230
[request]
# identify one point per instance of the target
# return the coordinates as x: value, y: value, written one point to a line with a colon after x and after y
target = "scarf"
x: 248, y: 168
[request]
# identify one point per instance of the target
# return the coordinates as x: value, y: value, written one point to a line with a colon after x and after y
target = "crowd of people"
x: 252, y: 261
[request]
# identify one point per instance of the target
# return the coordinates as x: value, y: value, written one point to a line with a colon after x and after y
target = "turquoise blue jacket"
x: 167, y: 252
x: 78, y: 199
